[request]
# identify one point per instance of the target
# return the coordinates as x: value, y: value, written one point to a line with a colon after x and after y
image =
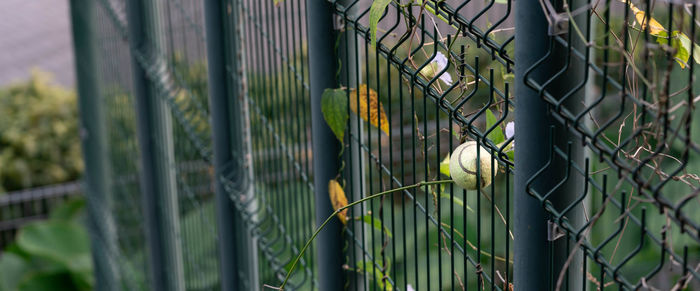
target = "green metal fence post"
x: 157, y: 177
x: 226, y: 108
x: 533, y: 267
x: 95, y: 146
x: 322, y: 71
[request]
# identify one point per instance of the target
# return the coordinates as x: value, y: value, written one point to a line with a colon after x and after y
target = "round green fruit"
x: 463, y: 165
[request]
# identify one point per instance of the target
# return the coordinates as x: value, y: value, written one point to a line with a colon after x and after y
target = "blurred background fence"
x: 22, y: 207
x: 208, y: 158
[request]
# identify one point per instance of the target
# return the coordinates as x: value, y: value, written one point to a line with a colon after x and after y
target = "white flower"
x: 409, y: 288
x: 438, y: 64
x: 510, y: 129
x: 441, y: 62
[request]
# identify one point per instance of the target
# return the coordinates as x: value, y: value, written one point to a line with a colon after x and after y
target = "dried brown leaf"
x: 377, y: 116
x: 655, y: 28
x: 338, y: 199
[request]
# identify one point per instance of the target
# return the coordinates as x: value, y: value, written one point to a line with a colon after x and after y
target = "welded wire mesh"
x: 638, y: 123
x: 177, y: 70
x: 439, y: 238
x: 274, y: 72
x: 624, y: 143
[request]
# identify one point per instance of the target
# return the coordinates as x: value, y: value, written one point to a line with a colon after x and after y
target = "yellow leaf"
x: 374, y: 118
x: 655, y: 28
x: 338, y: 199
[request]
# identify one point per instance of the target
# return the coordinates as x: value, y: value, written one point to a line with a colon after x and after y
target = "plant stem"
x: 318, y: 230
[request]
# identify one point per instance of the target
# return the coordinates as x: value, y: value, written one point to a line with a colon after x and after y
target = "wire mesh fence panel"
x: 123, y: 210
x: 637, y: 124
x: 164, y: 68
x: 437, y: 77
x: 336, y: 101
x: 274, y: 71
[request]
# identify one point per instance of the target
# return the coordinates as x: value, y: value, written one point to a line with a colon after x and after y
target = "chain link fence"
x: 211, y: 158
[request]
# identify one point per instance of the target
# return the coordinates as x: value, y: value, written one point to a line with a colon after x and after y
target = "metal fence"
x: 209, y: 159
x: 18, y: 208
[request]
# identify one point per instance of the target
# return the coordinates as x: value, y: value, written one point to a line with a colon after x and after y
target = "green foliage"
x: 445, y: 166
x: 680, y: 43
x: 334, y: 106
x: 12, y: 268
x: 375, y: 13
x: 39, y: 142
x: 50, y: 255
x: 375, y: 223
x: 379, y: 276
x: 496, y: 135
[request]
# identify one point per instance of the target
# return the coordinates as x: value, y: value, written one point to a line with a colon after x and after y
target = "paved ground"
x: 35, y: 34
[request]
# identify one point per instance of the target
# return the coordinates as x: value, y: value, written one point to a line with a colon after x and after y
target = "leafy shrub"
x: 39, y: 142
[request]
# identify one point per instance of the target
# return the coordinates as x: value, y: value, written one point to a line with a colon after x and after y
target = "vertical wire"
x: 507, y: 200
x: 392, y: 200
x: 259, y: 142
x: 437, y: 171
x: 360, y: 156
x: 276, y: 110
x: 402, y: 150
x: 295, y: 145
x: 464, y: 192
x: 380, y: 179
x: 262, y: 95
x: 371, y: 212
x: 479, y: 268
x: 493, y: 173
x: 450, y: 122
x: 287, y: 140
x: 413, y: 174
x: 273, y: 97
x: 349, y: 153
x: 426, y: 178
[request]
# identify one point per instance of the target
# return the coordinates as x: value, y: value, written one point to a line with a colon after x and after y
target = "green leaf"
x: 334, y: 105
x: 42, y: 281
x: 445, y: 166
x: 366, y: 266
x: 507, y: 77
x: 457, y: 134
x: 69, y: 210
x: 12, y: 269
x: 496, y: 135
x: 681, y: 43
x: 61, y: 241
x: 684, y: 45
x: 501, y: 1
x: 455, y: 200
x: 511, y: 154
x: 696, y: 53
x: 375, y: 13
x: 374, y: 223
